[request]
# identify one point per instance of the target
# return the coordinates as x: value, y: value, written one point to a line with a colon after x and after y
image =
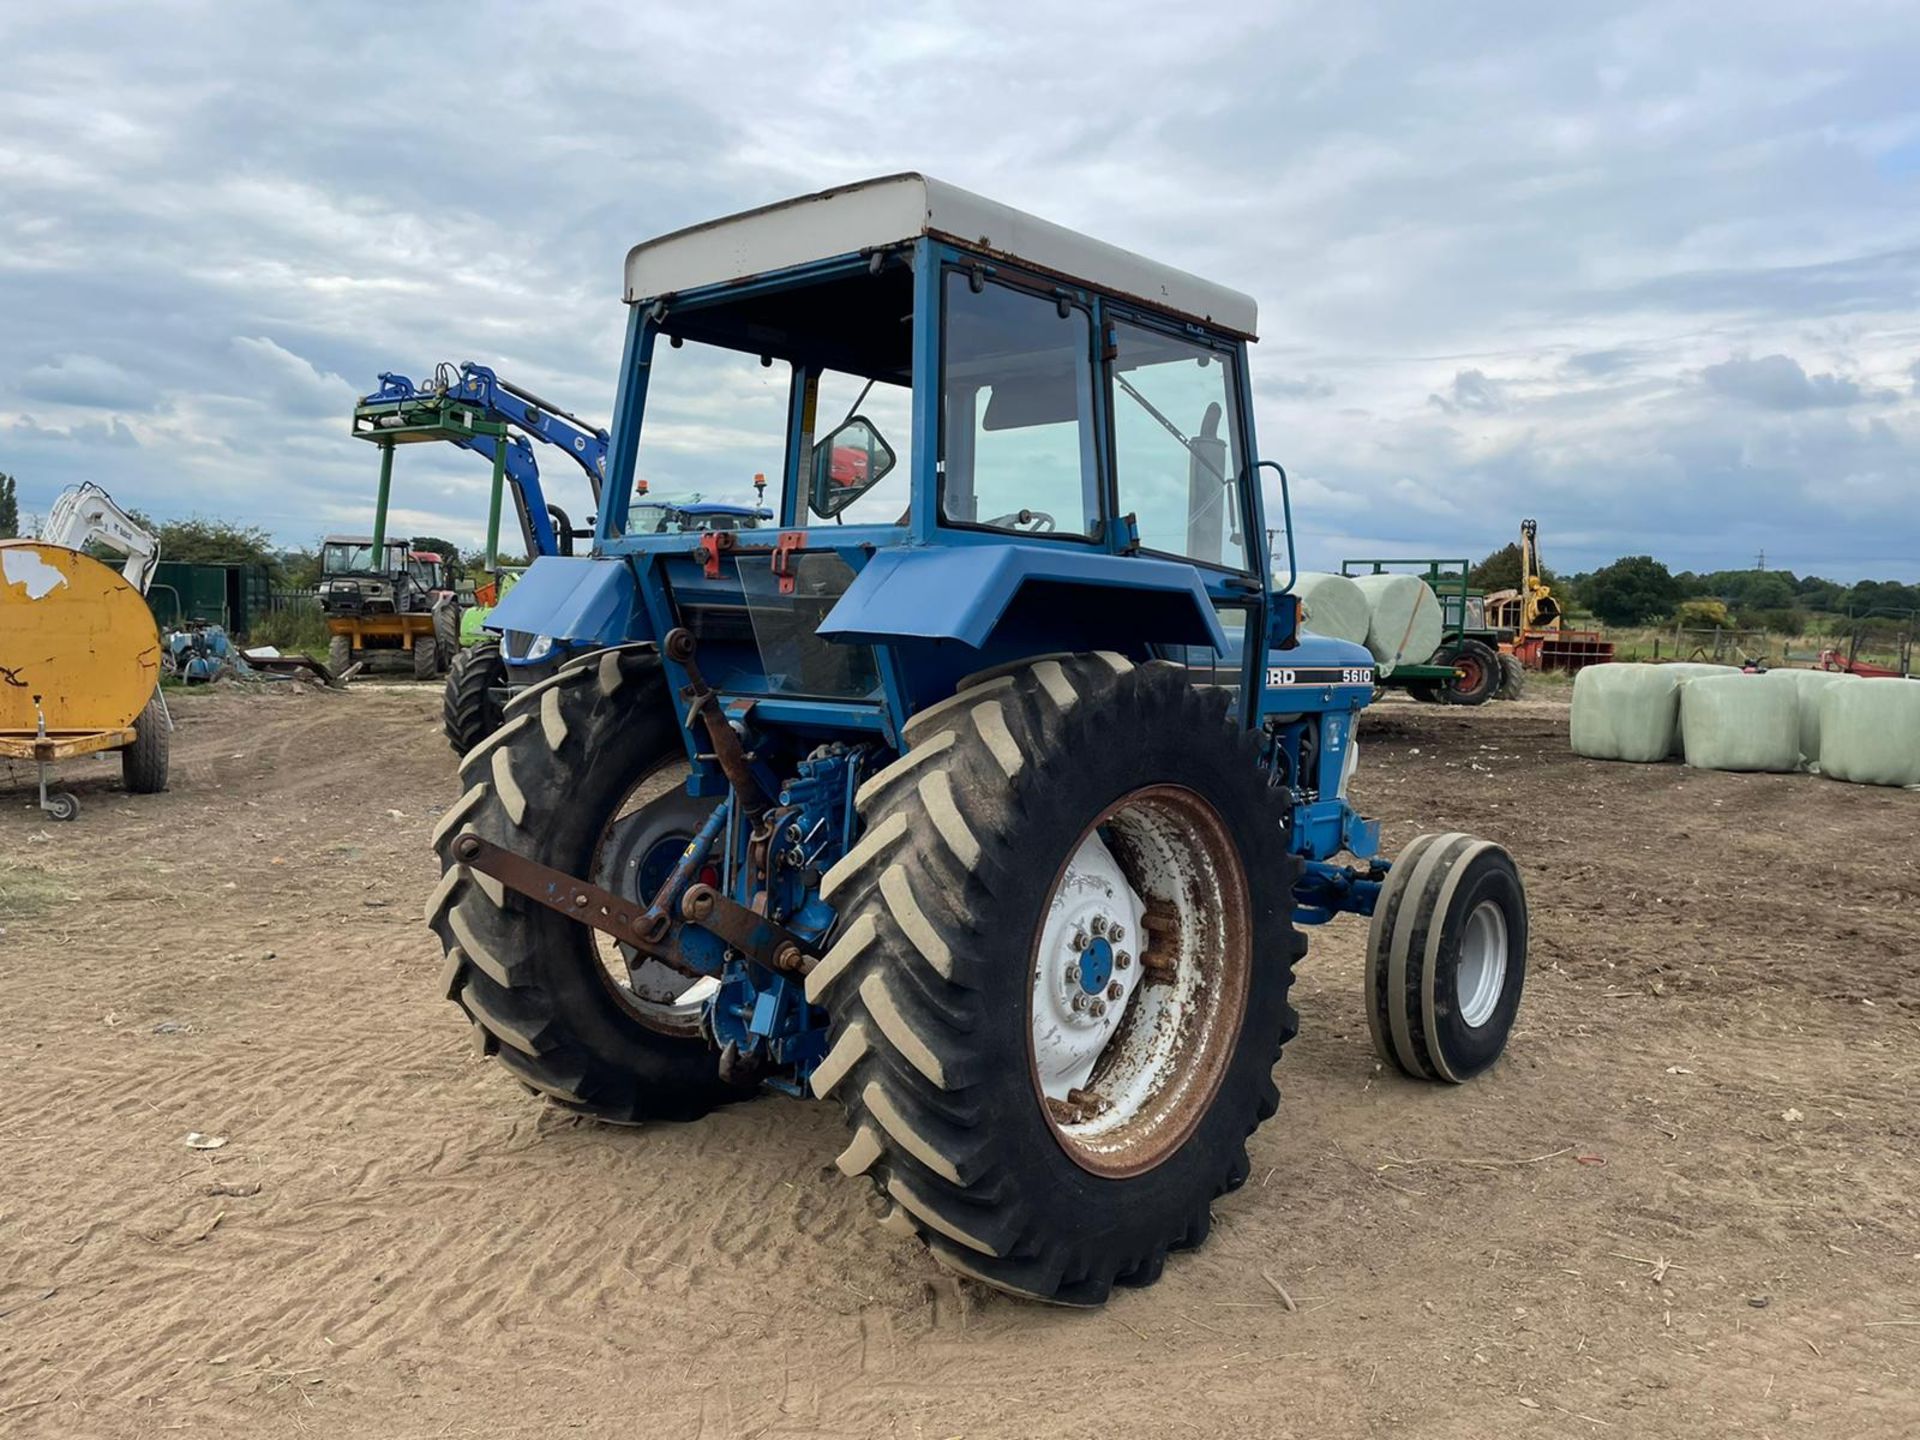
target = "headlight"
x: 541, y: 647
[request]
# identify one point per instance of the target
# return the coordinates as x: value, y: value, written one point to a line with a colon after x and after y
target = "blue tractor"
x: 986, y: 796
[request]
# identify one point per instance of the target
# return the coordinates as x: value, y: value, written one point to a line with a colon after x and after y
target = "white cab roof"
x: 895, y: 208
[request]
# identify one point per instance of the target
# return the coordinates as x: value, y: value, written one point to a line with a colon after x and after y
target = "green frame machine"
x: 423, y: 419
x: 1466, y: 668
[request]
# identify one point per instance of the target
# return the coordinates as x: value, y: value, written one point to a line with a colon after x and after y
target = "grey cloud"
x: 1779, y: 382
x: 1598, y: 364
x: 1471, y: 391
x: 85, y: 380
x: 1305, y: 387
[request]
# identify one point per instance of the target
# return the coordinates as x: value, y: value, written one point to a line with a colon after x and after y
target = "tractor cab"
x: 355, y: 579
x: 990, y: 433
x: 661, y: 516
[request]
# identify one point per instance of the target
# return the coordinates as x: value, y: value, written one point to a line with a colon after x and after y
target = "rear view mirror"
x: 847, y: 464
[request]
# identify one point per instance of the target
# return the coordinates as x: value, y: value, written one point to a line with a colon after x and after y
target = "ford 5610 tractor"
x: 987, y: 794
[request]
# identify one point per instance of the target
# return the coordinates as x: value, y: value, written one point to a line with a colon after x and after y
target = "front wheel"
x: 1059, y: 983
x: 426, y: 657
x: 471, y: 708
x: 1513, y: 678
x: 1446, y: 958
x: 339, y: 654
x: 446, y: 631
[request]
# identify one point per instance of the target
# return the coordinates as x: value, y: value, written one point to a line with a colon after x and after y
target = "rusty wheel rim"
x: 1181, y: 989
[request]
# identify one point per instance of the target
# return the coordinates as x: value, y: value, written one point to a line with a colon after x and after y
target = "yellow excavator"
x: 1540, y: 639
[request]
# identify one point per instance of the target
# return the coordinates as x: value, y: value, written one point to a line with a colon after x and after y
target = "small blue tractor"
x: 987, y: 794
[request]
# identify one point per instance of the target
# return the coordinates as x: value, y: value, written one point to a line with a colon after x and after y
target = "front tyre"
x: 1059, y: 983
x: 426, y: 657
x: 576, y: 778
x: 1446, y: 958
x: 472, y: 707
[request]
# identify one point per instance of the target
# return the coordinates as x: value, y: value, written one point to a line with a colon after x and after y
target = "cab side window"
x: 1017, y: 428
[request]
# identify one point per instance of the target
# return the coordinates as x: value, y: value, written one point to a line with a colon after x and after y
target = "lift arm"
x: 85, y: 513
x: 474, y: 396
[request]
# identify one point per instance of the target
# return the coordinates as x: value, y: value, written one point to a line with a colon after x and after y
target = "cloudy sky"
x: 1649, y: 272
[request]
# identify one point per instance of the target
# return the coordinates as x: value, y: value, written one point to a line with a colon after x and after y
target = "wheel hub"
x: 1085, y: 970
x: 1482, y: 971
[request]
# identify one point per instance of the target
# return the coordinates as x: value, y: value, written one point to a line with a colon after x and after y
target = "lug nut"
x: 1115, y: 990
x: 1079, y: 1003
x: 1079, y: 941
x: 1116, y: 932
x: 1121, y: 960
x: 1097, y: 1009
x: 1099, y: 925
x: 1073, y: 974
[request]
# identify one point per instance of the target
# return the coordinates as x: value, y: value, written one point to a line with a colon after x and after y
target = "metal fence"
x: 297, y: 601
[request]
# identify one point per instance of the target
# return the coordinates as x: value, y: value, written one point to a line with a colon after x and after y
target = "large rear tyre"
x: 565, y: 781
x: 473, y: 705
x: 143, y: 764
x: 1059, y: 983
x: 1476, y: 673
x: 1446, y: 958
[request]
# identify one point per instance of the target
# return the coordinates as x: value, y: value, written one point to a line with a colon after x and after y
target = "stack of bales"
x: 1335, y: 606
x: 1718, y: 718
x: 1397, y: 617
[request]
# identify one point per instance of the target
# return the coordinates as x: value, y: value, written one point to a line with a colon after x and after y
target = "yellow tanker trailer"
x: 79, y: 669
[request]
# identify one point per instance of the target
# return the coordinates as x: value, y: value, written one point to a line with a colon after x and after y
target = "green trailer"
x: 1468, y: 667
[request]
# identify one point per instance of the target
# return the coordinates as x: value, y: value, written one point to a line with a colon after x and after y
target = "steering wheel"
x: 1040, y: 520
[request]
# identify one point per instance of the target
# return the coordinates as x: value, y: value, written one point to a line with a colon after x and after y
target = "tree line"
x: 1639, y: 590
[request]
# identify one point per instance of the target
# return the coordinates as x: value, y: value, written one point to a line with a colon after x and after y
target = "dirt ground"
x: 1686, y: 1204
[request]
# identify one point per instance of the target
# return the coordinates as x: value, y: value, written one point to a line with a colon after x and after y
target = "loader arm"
x: 86, y: 513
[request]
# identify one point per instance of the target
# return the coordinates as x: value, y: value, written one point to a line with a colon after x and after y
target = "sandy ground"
x: 1686, y: 1204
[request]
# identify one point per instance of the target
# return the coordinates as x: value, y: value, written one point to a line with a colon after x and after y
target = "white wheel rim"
x: 1083, y: 978
x: 1148, y: 929
x: 1482, y: 972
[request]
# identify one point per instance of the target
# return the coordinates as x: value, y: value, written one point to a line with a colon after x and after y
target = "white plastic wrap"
x: 1335, y: 606
x: 1808, y: 686
x: 1870, y: 731
x: 1740, y: 722
x: 1686, y: 670
x: 1405, y: 626
x: 1625, y: 712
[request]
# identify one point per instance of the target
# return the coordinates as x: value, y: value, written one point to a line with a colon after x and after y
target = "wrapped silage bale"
x: 1335, y: 606
x: 1685, y: 670
x: 1405, y: 625
x: 1625, y: 712
x: 1808, y: 686
x: 1739, y: 722
x: 1870, y: 731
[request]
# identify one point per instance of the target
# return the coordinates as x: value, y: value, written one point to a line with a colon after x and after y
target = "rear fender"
x: 1024, y: 598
